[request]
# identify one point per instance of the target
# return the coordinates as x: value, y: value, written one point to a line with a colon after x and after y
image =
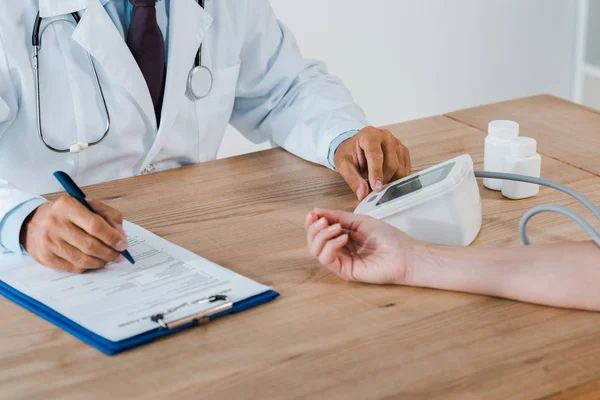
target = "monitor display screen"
x: 416, y: 183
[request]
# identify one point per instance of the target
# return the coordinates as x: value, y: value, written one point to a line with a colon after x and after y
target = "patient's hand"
x: 358, y: 248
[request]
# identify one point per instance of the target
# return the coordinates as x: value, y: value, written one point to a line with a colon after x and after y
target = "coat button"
x: 149, y: 169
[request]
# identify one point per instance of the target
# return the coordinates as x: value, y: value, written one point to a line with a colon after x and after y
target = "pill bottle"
x: 497, y: 144
x: 522, y: 159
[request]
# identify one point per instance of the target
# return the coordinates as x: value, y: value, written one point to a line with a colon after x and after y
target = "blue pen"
x: 75, y: 192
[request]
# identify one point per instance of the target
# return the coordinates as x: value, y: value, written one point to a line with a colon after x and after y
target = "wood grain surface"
x: 565, y: 131
x: 325, y: 338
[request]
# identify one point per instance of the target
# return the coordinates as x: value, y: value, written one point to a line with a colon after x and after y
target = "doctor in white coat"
x: 261, y: 84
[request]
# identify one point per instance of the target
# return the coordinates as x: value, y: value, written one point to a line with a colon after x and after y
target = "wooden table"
x: 325, y: 338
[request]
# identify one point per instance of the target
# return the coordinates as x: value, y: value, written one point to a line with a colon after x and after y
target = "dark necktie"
x: 145, y: 40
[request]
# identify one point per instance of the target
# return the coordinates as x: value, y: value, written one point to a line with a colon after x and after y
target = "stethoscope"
x: 199, y: 83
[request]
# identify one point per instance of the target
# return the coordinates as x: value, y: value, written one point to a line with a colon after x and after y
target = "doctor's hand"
x: 64, y: 234
x: 372, y: 153
x: 359, y: 248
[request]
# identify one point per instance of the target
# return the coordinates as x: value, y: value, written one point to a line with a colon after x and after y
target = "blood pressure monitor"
x: 438, y: 205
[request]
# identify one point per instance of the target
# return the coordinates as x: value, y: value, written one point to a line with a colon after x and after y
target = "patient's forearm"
x: 561, y: 275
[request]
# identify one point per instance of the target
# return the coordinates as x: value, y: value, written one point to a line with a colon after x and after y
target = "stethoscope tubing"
x: 36, y: 36
x: 36, y: 43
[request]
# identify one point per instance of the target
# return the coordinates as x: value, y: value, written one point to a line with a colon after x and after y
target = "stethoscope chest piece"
x: 200, y: 82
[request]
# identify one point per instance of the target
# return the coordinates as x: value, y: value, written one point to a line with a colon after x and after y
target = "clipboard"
x: 222, y: 306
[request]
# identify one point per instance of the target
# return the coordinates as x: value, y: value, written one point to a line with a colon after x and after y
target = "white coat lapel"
x: 99, y: 36
x: 188, y: 24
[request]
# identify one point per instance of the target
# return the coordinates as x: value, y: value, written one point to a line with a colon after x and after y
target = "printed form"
x: 118, y: 301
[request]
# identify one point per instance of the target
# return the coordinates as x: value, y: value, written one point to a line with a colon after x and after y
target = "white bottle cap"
x: 503, y: 129
x: 523, y: 147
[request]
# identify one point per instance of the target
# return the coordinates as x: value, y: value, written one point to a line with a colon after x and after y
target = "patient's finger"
x: 312, y: 230
x: 309, y: 220
x: 316, y: 246
x: 346, y: 219
x: 330, y: 251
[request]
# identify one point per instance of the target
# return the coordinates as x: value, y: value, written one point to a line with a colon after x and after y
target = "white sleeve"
x: 284, y: 97
x: 10, y: 195
x: 8, y: 97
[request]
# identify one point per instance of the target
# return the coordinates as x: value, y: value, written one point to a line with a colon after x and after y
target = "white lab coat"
x: 262, y: 85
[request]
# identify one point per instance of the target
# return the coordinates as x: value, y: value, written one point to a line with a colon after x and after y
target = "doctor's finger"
x: 404, y: 155
x: 96, y: 226
x: 391, y: 163
x: 112, y: 216
x: 316, y: 247
x: 77, y: 258
x: 62, y: 264
x: 360, y: 157
x: 348, y: 170
x: 87, y: 244
x: 374, y: 155
x: 403, y: 166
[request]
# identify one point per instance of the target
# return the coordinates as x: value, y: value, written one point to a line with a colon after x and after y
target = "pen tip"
x: 128, y: 257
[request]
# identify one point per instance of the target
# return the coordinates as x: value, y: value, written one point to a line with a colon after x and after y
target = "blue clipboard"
x: 104, y: 345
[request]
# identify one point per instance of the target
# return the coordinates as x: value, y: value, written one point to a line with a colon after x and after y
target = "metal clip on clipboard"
x: 202, y: 316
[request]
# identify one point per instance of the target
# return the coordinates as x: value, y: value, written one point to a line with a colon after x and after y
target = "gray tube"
x: 548, y: 207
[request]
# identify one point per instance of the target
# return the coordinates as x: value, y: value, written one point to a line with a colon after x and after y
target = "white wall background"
x: 593, y: 34
x: 411, y: 59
